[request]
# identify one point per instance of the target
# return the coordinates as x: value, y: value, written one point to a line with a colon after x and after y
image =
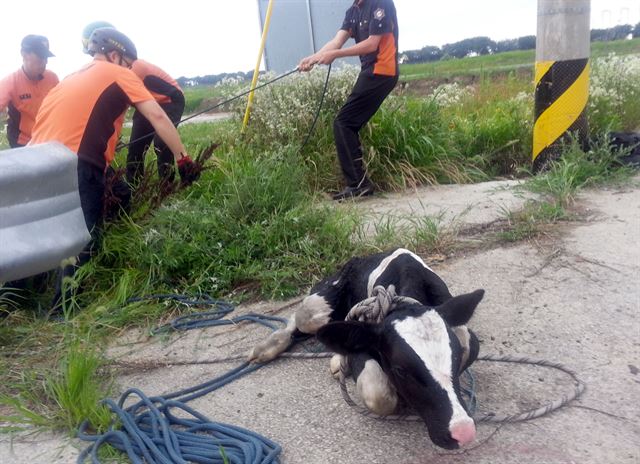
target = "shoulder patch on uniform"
x: 378, y: 14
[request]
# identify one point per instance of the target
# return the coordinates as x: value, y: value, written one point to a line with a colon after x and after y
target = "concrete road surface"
x: 572, y: 298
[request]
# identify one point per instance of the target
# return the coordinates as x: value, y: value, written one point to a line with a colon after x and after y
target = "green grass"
x: 196, y: 96
x: 62, y: 397
x: 77, y: 390
x: 531, y: 221
x: 558, y: 186
x: 502, y: 62
x: 201, y: 97
x: 577, y: 169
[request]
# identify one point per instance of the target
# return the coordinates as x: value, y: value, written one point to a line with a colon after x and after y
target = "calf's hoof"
x: 338, y: 366
x: 270, y: 348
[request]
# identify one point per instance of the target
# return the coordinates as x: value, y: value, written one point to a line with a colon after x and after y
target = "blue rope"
x: 150, y: 433
x: 204, y: 319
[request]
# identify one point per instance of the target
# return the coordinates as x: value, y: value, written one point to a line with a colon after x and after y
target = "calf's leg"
x: 308, y: 318
x: 373, y: 385
x: 274, y: 344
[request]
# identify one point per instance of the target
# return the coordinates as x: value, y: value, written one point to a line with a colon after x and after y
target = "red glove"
x: 188, y: 170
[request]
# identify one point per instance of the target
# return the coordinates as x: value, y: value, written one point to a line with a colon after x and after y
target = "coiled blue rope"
x: 150, y: 433
x: 151, y: 430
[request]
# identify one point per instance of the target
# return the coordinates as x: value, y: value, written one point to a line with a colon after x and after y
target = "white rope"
x: 529, y: 414
x: 375, y: 308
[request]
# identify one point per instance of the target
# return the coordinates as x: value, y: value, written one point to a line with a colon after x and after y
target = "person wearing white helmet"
x: 168, y: 94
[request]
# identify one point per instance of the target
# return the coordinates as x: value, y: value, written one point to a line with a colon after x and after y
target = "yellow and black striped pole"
x: 561, y: 77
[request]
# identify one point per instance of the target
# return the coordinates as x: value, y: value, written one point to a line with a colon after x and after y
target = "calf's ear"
x: 459, y: 309
x: 349, y: 337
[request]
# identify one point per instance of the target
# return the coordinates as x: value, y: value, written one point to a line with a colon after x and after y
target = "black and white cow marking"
x: 413, y: 357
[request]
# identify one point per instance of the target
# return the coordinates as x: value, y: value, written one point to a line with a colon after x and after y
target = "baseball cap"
x: 37, y: 44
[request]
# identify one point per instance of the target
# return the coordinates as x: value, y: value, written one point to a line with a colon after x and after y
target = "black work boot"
x: 354, y: 192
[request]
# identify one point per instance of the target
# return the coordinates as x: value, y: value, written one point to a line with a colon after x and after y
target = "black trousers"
x: 91, y: 185
x: 143, y: 133
x: 366, y: 97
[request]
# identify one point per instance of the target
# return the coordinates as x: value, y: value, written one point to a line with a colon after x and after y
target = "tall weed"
x: 614, y: 102
x: 577, y: 169
x: 251, y: 224
x: 77, y: 391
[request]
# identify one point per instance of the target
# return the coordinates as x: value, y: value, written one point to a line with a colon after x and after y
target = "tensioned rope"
x: 240, y: 95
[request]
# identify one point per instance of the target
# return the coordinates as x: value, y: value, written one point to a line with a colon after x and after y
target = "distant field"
x: 502, y: 62
x: 201, y: 97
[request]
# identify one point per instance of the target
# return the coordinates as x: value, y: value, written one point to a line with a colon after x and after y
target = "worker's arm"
x: 365, y: 47
x: 163, y: 127
x: 334, y: 44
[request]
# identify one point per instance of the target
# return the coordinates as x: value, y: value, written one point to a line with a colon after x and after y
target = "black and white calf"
x: 413, y: 357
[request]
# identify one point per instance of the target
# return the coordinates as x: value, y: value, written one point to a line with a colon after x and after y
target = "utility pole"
x: 563, y: 48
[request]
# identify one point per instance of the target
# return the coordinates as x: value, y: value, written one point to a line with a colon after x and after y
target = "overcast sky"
x: 190, y: 37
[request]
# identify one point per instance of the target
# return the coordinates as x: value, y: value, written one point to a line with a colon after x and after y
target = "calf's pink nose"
x: 464, y: 433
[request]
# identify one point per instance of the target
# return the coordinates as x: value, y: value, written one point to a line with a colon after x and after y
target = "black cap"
x: 37, y: 44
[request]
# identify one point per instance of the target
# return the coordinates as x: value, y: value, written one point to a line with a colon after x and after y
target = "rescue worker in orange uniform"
x: 374, y: 26
x: 169, y: 96
x: 85, y: 110
x: 22, y: 92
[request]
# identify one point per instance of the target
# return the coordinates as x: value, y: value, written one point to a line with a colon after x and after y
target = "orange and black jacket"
x: 375, y: 17
x: 84, y: 112
x: 22, y: 97
x: 161, y: 85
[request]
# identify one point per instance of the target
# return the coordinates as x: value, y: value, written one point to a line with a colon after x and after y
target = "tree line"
x: 485, y: 46
x: 212, y: 79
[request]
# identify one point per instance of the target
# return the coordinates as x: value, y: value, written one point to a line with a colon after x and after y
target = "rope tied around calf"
x: 375, y: 308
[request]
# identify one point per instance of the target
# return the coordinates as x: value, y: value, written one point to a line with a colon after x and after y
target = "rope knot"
x: 375, y: 308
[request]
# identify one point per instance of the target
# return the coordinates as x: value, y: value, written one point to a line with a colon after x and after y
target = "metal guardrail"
x: 41, y: 222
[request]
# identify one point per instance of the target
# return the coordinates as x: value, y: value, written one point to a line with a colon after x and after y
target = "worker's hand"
x: 188, y: 170
x: 307, y: 63
x: 326, y: 57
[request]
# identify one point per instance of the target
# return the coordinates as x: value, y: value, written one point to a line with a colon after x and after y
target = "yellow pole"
x: 256, y: 71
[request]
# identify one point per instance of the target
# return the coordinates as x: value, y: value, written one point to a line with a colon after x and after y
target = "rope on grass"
x: 205, y: 319
x: 240, y: 95
x: 211, y: 108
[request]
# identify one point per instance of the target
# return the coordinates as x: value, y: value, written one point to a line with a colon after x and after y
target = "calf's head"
x: 422, y: 357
